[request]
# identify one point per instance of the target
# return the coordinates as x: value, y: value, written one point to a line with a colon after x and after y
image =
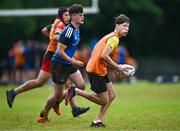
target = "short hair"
x: 61, y: 11
x: 121, y: 19
x: 75, y: 9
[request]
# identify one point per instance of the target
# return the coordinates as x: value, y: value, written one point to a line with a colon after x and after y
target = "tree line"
x: 154, y: 29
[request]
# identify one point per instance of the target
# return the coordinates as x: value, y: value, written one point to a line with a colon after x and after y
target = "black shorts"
x: 61, y: 72
x: 98, y: 83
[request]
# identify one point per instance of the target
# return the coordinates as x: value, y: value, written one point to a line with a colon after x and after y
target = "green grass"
x: 139, y: 106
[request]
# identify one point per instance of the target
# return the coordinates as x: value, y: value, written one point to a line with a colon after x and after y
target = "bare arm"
x: 106, y: 57
x: 46, y: 30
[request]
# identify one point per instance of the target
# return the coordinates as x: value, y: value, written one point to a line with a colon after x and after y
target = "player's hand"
x: 120, y: 73
x: 77, y: 63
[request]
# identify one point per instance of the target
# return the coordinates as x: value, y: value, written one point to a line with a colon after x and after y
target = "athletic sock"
x: 75, y: 90
x: 96, y: 121
x: 74, y: 107
x: 13, y: 92
x: 42, y: 114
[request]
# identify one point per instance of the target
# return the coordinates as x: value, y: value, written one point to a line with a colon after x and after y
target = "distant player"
x: 97, y: 70
x: 63, y: 65
x: 45, y: 73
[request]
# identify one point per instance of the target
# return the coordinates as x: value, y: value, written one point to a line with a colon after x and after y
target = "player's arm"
x: 111, y: 44
x: 65, y: 39
x: 57, y: 34
x: 57, y: 30
x: 60, y: 49
x: 46, y: 30
x: 106, y: 57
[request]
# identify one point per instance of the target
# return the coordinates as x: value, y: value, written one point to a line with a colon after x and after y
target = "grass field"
x: 139, y: 106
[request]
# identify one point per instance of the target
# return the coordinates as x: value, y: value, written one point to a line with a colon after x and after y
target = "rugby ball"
x: 128, y: 70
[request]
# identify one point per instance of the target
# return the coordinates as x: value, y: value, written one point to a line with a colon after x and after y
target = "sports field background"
x: 139, y: 106
x: 151, y: 40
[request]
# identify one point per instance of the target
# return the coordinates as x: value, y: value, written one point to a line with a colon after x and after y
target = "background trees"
x: 154, y: 27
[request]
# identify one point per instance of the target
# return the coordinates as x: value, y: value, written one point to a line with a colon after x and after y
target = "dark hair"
x: 61, y: 11
x: 121, y: 19
x: 75, y: 9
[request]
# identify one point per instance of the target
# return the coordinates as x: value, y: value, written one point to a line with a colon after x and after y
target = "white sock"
x: 76, y: 91
x: 96, y: 121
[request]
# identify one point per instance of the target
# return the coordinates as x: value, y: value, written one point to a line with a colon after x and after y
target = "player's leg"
x: 59, y: 77
x: 76, y: 110
x: 98, y: 85
x: 90, y: 96
x: 52, y: 99
x: 101, y: 98
x: 42, y: 78
x: 77, y: 79
x: 103, y: 108
x: 31, y: 84
x: 56, y: 107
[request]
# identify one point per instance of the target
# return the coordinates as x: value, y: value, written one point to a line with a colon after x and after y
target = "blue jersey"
x: 70, y: 38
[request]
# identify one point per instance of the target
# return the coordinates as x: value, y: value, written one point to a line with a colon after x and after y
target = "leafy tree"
x: 154, y: 24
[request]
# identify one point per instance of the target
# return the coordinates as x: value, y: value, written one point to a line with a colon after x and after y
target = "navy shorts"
x: 61, y: 72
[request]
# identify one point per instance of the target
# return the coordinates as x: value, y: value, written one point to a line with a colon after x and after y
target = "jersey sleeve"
x: 66, y: 36
x: 113, y: 42
x: 58, y: 28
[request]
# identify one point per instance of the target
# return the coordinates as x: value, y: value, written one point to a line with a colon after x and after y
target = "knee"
x: 56, y: 94
x: 104, y: 102
x: 112, y: 97
x: 56, y: 97
x: 51, y: 100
